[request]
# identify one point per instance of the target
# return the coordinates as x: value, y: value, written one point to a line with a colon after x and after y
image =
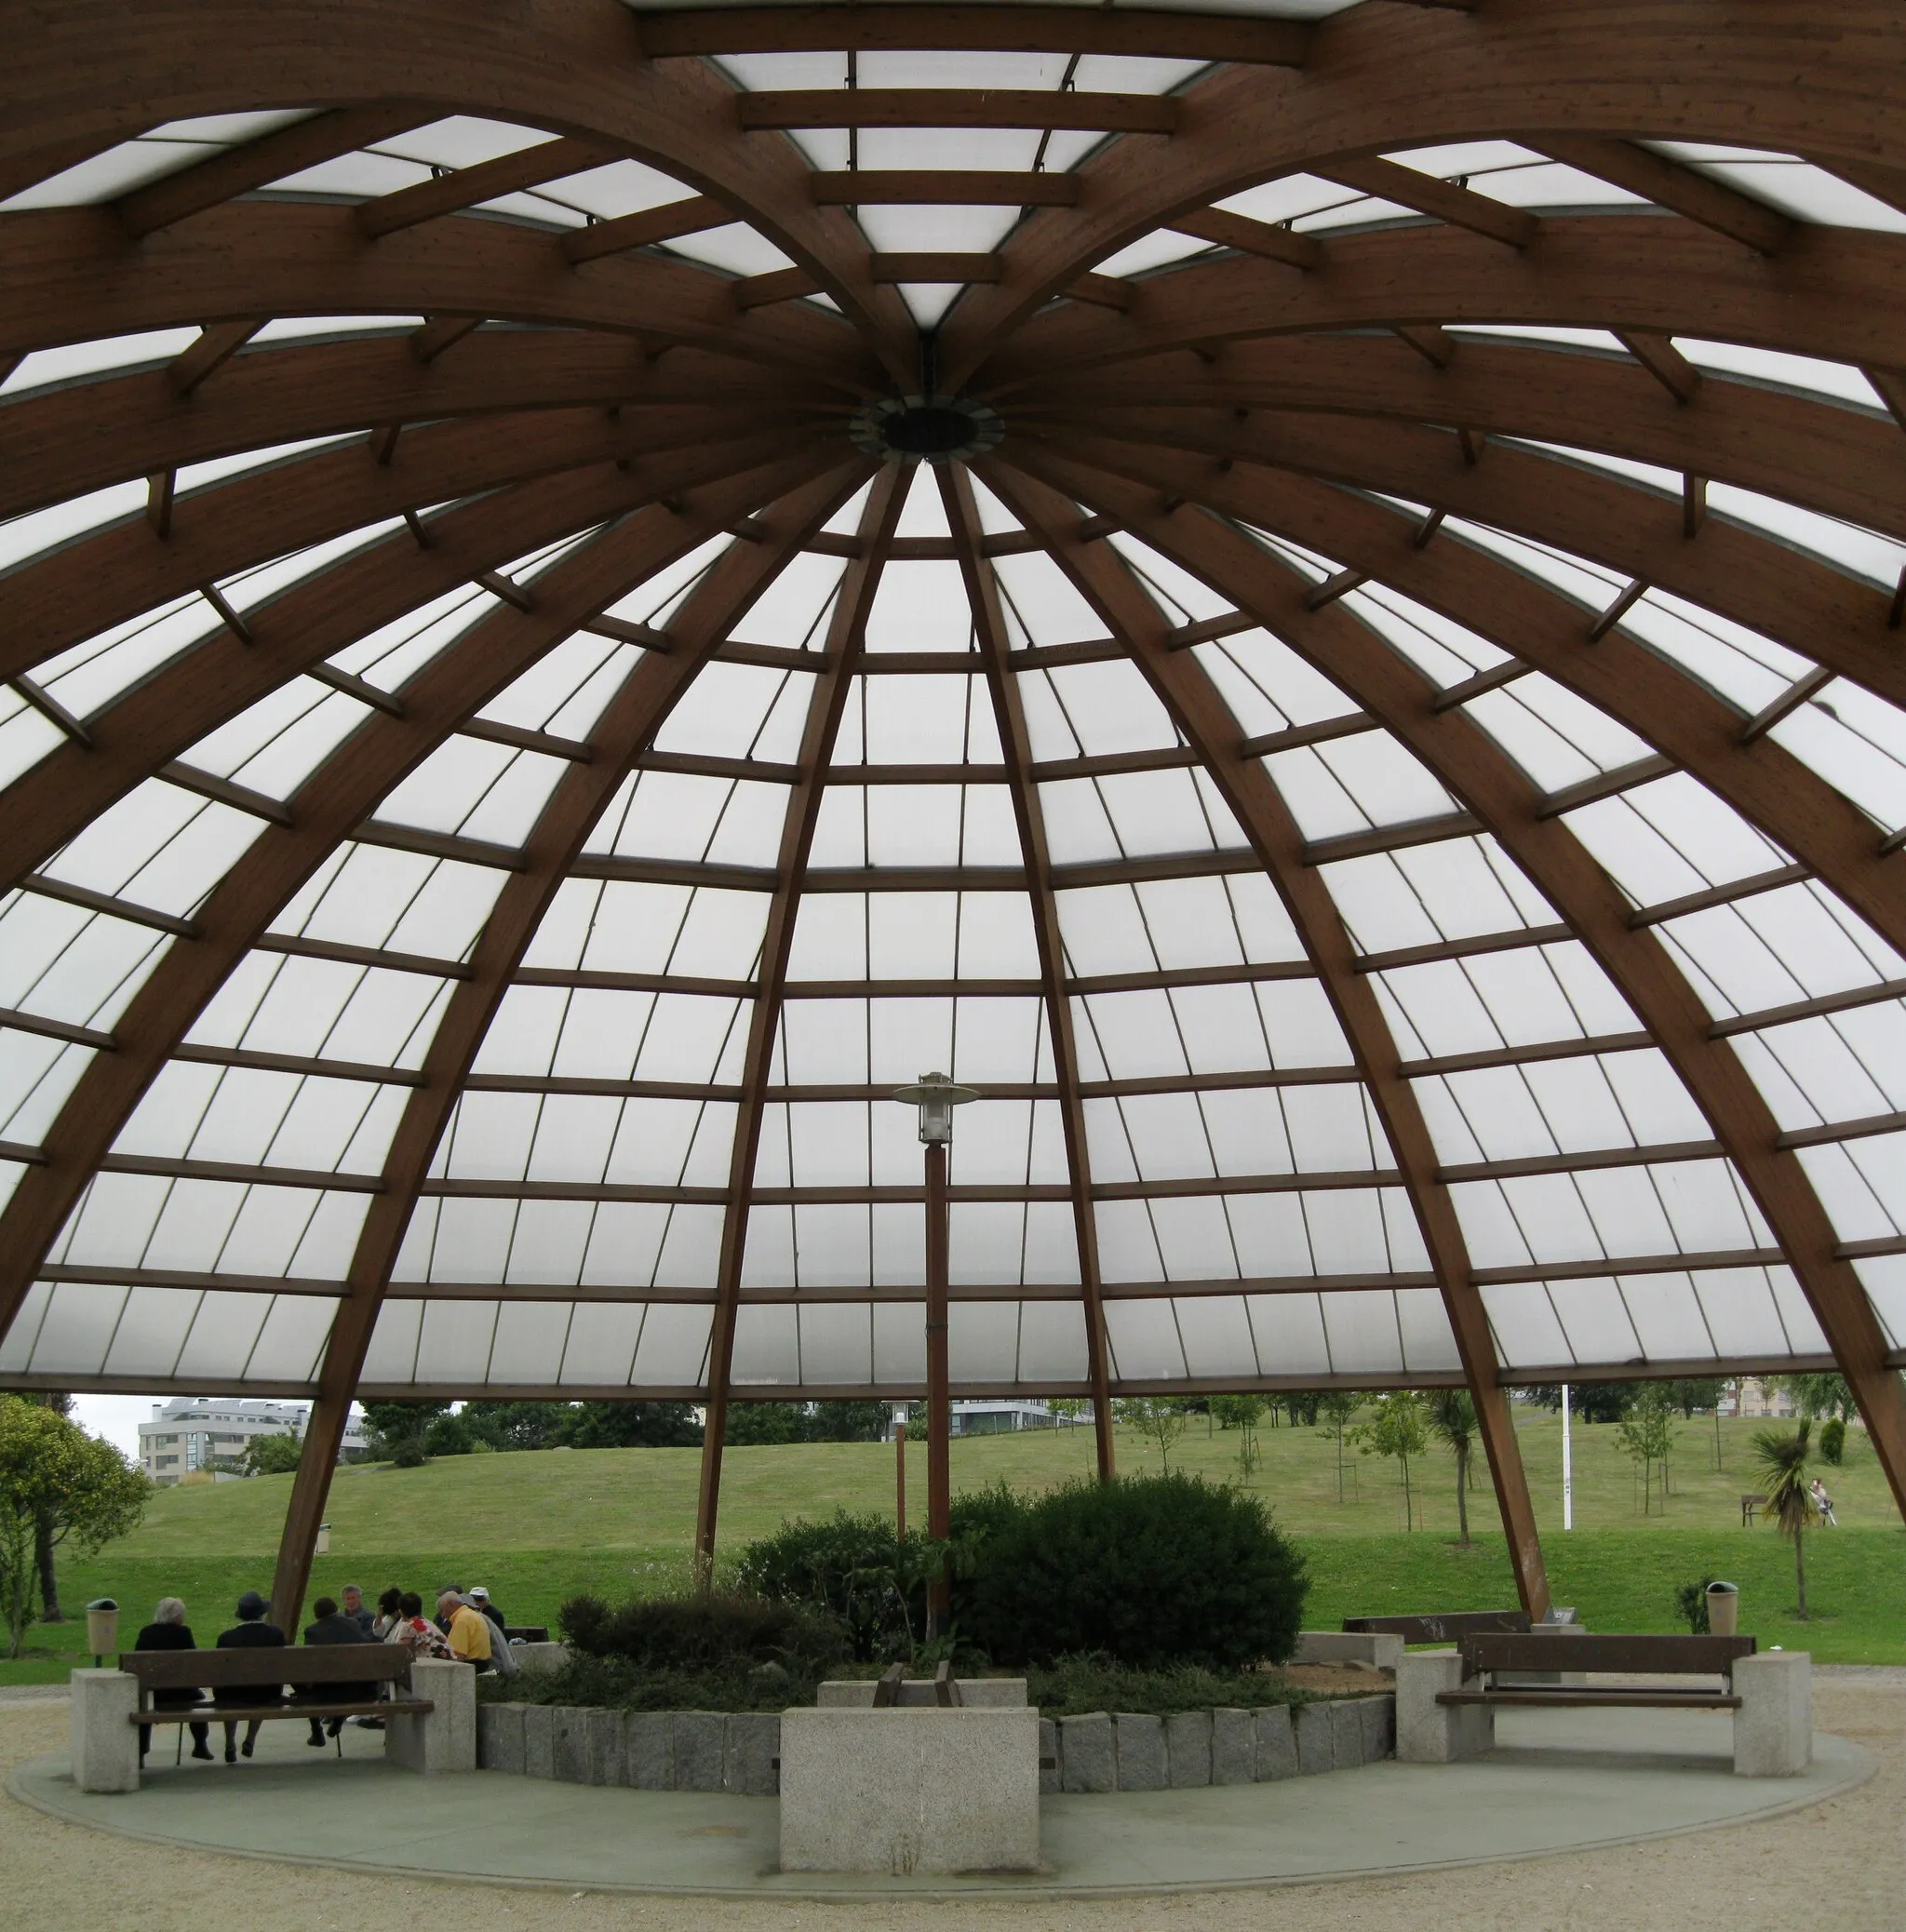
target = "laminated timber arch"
x: 491, y: 801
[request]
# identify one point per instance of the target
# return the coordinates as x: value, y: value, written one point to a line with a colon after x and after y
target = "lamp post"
x: 936, y: 1096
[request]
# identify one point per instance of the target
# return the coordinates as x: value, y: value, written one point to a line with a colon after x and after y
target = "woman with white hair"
x: 168, y: 1630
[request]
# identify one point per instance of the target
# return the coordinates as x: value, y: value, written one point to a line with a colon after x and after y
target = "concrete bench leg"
x: 446, y: 1738
x: 105, y: 1742
x: 1773, y: 1729
x: 1429, y: 1733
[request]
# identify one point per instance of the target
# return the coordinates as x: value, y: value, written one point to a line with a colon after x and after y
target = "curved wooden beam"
x: 1015, y: 744
x: 581, y: 794
x: 580, y: 71
x: 1701, y: 734
x: 128, y: 568
x: 1461, y: 756
x: 1825, y: 614
x: 854, y: 600
x: 61, y: 443
x: 1199, y: 712
x: 1823, y: 455
x: 325, y: 811
x: 72, y: 275
x: 1832, y: 294
x: 1386, y: 79
x: 162, y: 717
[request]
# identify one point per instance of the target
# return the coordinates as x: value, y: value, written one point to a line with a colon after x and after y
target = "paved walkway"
x: 1558, y: 1781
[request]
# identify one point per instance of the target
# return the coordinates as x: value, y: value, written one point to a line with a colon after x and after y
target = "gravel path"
x: 1842, y: 1863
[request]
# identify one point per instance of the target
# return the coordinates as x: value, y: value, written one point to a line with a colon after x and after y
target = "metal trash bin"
x: 1724, y: 1609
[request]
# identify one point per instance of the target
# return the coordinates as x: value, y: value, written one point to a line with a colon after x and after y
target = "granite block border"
x: 701, y: 1750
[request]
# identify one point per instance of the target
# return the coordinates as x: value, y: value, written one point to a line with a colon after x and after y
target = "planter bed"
x: 740, y: 1752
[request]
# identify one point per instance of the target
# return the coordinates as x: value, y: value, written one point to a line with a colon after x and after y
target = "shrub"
x: 1834, y: 1441
x: 690, y: 1635
x: 1691, y: 1600
x: 1075, y: 1686
x: 1151, y: 1571
x: 273, y: 1456
x: 409, y: 1455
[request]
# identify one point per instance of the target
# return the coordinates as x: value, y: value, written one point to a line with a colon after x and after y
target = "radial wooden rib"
x: 1825, y: 295
x: 1821, y: 454
x: 1015, y: 744
x: 1665, y: 707
x: 1430, y: 195
x: 1463, y: 758
x: 1654, y: 178
x: 643, y: 230
x: 158, y: 720
x: 65, y: 442
x: 1498, y: 68
x: 1823, y: 612
x: 960, y: 28
x: 71, y: 278
x: 827, y: 703
x: 1200, y: 713
x: 578, y: 799
x: 334, y: 799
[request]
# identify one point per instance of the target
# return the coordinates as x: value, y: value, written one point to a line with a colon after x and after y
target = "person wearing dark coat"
x: 168, y: 1630
x: 333, y: 1626
x: 357, y: 1610
x: 250, y: 1633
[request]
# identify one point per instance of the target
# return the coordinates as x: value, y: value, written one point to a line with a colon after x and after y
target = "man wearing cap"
x: 479, y: 1600
x: 468, y: 1631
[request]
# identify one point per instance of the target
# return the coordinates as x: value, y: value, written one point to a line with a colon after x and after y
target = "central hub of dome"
x: 926, y: 429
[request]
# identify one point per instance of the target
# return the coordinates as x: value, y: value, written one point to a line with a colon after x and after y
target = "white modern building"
x: 992, y: 1418
x: 194, y: 1433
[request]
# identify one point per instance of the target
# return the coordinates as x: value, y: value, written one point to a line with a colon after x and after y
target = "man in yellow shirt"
x: 469, y: 1631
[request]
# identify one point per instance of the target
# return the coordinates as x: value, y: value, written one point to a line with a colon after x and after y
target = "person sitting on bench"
x: 469, y: 1630
x: 168, y: 1630
x: 250, y: 1633
x: 334, y: 1625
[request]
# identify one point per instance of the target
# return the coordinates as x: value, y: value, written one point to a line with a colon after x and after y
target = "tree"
x: 1782, y: 1457
x: 1396, y: 1430
x: 1647, y: 1435
x: 1815, y: 1396
x: 43, y: 1528
x: 273, y: 1456
x: 51, y: 1468
x: 629, y: 1425
x: 520, y: 1425
x: 1337, y: 1406
x: 1590, y: 1402
x: 1698, y: 1392
x: 849, y: 1422
x: 394, y: 1423
x: 1450, y: 1417
x: 1243, y: 1413
x: 750, y: 1424
x: 1159, y: 1418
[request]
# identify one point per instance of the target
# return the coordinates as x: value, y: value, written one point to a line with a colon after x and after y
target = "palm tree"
x: 1451, y: 1419
x: 1782, y: 1462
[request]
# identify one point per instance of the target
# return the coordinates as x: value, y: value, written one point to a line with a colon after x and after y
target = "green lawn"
x: 537, y: 1527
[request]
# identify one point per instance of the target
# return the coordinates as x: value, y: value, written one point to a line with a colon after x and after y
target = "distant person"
x: 415, y: 1630
x: 479, y: 1600
x: 250, y: 1633
x: 468, y: 1631
x: 168, y: 1630
x: 1824, y: 1504
x: 357, y: 1610
x: 390, y: 1612
x: 333, y: 1626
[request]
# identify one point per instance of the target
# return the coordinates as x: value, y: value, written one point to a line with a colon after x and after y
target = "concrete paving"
x: 1559, y: 1781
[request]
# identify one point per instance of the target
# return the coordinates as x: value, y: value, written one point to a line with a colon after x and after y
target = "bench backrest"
x: 1643, y: 1655
x: 301, y: 1663
x: 1444, y: 1627
x: 526, y: 1632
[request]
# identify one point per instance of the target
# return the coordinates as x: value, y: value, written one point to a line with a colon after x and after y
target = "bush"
x: 1834, y: 1442
x: 449, y: 1435
x: 273, y: 1456
x: 409, y: 1455
x: 1150, y: 1571
x: 697, y: 1633
x: 1691, y: 1601
x: 1075, y: 1686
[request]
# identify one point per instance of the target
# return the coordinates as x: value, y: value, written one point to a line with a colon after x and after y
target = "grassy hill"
x: 536, y: 1527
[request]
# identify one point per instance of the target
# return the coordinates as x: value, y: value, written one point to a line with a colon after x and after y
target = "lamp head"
x: 936, y: 1096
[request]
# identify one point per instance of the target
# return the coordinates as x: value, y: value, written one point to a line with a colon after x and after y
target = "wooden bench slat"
x: 233, y: 1713
x: 1648, y: 1656
x: 1586, y: 1697
x: 1441, y: 1627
